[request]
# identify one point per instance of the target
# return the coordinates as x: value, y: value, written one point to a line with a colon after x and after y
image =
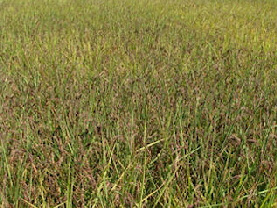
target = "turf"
x: 162, y: 103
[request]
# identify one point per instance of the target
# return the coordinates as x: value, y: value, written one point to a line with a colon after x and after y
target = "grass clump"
x: 138, y: 104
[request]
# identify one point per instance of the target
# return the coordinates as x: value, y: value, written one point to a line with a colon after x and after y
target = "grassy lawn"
x: 126, y: 103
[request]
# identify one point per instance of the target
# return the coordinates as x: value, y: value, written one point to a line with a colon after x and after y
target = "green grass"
x: 163, y: 103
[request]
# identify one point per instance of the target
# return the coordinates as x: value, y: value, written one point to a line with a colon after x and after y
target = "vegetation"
x: 161, y: 103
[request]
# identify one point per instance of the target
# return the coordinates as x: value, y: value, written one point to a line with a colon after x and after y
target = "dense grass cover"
x: 163, y: 103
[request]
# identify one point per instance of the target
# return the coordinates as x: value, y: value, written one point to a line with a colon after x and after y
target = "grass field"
x: 161, y: 103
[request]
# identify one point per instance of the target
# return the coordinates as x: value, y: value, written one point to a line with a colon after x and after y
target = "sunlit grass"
x: 138, y: 103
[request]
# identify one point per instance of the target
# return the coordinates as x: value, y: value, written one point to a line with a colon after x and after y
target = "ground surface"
x: 163, y: 103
